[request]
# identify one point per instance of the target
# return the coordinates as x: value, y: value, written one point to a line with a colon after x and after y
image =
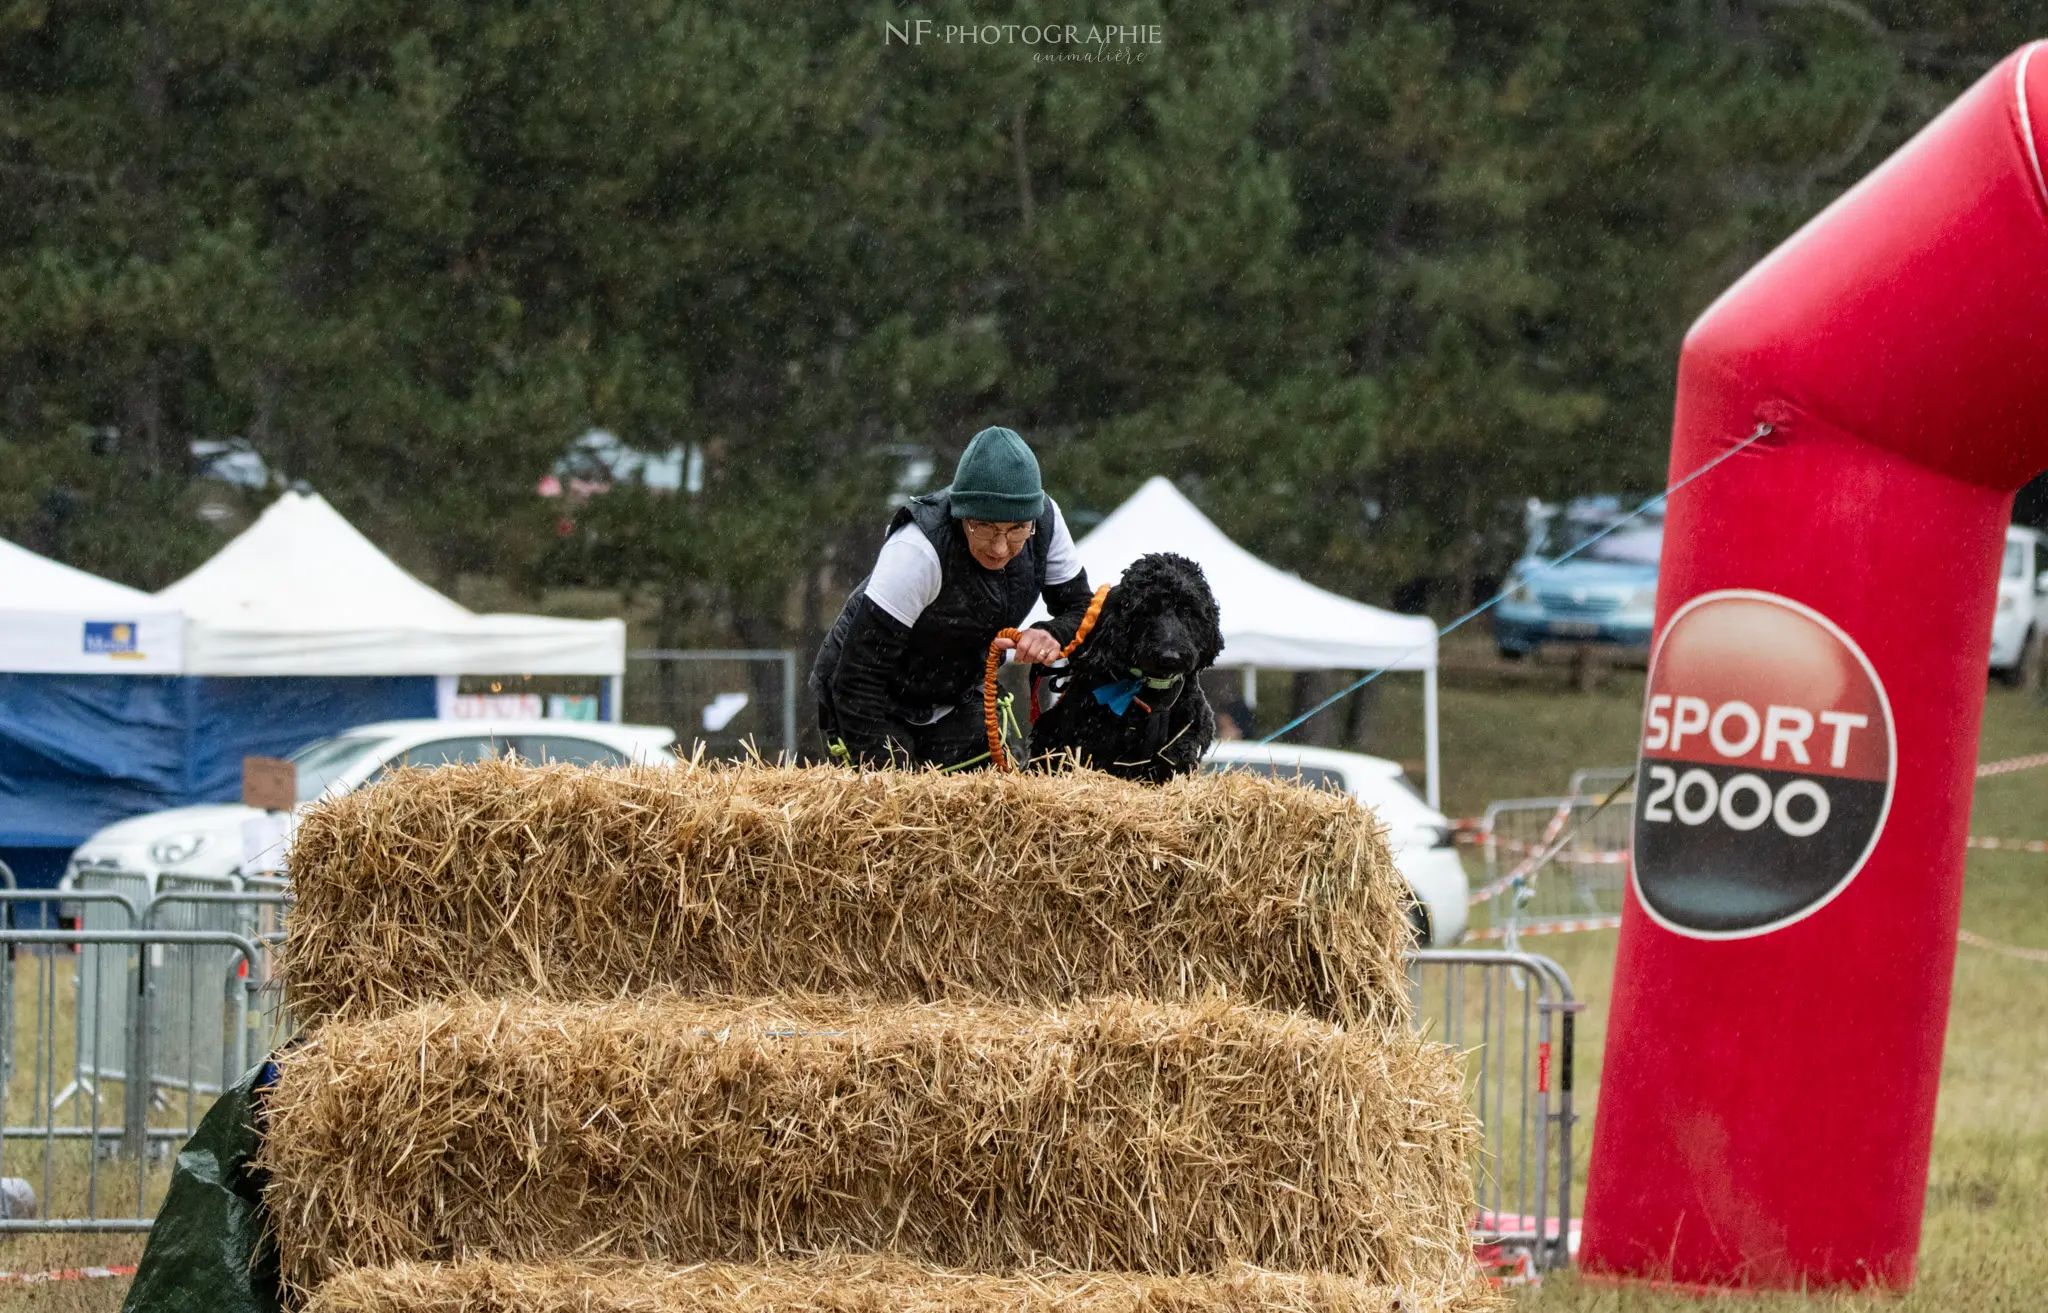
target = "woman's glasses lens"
x: 1009, y: 533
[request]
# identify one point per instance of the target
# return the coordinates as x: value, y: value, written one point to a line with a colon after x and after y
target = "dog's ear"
x: 1110, y: 637
x: 1212, y: 634
x: 1201, y: 603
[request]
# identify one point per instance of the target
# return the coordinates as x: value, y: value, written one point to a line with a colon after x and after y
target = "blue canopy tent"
x: 98, y: 722
x: 78, y: 752
x: 114, y: 703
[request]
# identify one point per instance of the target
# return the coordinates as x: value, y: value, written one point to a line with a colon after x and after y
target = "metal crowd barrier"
x: 82, y: 1008
x: 1554, y: 862
x: 1512, y: 1014
x: 188, y: 1051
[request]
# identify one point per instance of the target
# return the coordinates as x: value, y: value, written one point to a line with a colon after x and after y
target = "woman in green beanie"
x: 898, y: 678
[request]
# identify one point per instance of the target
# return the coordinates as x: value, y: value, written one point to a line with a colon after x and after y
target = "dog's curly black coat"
x: 1158, y: 623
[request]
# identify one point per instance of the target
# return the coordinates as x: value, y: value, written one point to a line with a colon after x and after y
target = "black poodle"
x: 1130, y: 703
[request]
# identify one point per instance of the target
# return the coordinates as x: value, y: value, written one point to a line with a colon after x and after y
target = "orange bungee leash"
x: 995, y: 659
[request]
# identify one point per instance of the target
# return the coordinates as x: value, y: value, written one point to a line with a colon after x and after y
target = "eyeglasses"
x: 1013, y: 535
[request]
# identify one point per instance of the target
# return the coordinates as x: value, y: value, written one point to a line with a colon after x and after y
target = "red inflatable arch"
x: 1810, y: 731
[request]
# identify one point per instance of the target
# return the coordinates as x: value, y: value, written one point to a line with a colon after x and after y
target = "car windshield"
x: 1407, y: 786
x: 324, y: 761
x: 1636, y: 545
x: 2015, y: 559
x: 1314, y: 777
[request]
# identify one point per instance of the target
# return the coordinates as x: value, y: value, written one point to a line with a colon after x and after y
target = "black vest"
x: 948, y: 646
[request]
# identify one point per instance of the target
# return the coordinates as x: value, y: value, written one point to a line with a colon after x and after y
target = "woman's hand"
x: 1033, y: 646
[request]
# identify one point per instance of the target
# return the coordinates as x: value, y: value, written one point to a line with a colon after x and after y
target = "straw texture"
x: 1117, y: 1134
x: 847, y: 1284
x: 571, y: 883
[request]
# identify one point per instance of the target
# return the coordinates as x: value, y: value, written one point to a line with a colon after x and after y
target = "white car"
x: 1418, y: 834
x: 220, y: 840
x: 2019, y: 629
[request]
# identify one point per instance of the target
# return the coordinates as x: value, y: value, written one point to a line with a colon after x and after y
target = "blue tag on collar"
x: 1118, y: 696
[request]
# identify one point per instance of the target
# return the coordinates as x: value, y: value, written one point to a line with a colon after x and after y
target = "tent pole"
x: 614, y: 697
x: 1429, y: 742
x: 788, y: 659
x: 1251, y: 687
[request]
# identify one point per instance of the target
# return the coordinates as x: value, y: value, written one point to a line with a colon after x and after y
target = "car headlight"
x: 2007, y: 604
x: 175, y: 848
x: 1643, y: 601
x: 1519, y: 591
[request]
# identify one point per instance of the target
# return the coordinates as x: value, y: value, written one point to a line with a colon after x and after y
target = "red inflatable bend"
x: 1810, y: 731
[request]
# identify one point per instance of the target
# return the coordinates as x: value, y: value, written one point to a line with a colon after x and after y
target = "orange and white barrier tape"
x: 1504, y: 1268
x: 1549, y: 928
x: 2007, y: 950
x: 1510, y: 1263
x: 1614, y: 923
x: 67, y: 1274
x: 2011, y: 764
x: 1564, y: 857
x: 1527, y: 864
x: 1619, y: 857
x: 2007, y: 845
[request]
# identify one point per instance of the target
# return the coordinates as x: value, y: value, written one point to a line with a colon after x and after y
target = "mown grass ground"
x: 1985, y: 1246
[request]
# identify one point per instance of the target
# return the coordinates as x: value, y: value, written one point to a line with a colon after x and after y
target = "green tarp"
x: 210, y: 1251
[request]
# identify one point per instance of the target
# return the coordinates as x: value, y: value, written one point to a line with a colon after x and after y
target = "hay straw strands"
x: 849, y: 1284
x: 1111, y: 1135
x: 577, y: 883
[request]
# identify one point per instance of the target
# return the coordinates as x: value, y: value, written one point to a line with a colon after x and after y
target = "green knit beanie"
x: 997, y: 479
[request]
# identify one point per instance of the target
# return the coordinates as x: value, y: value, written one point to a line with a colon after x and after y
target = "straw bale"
x: 860, y: 1284
x: 576, y: 883
x: 1112, y: 1134
x: 871, y: 1284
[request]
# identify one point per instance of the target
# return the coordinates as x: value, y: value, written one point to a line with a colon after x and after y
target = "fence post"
x: 1568, y: 1010
x: 235, y: 1053
x: 7, y: 996
x: 135, y: 1080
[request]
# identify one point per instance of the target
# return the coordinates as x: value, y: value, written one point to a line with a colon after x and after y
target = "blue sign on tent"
x: 110, y: 638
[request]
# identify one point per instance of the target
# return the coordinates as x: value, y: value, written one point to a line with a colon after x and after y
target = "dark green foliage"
x: 1359, y: 275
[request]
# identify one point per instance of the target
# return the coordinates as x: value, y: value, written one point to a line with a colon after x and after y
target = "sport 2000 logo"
x: 1768, y: 758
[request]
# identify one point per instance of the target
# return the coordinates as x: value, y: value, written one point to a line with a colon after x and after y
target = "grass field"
x: 1985, y: 1246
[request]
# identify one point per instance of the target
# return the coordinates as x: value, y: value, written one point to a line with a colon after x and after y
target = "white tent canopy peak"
x: 1271, y: 618
x: 303, y: 592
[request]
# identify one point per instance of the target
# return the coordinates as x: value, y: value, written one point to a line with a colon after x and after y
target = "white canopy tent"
x: 1271, y: 618
x: 301, y: 592
x: 59, y: 621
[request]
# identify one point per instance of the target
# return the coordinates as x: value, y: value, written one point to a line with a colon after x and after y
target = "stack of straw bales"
x: 740, y: 1038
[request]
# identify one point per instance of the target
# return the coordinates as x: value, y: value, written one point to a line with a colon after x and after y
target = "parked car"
x: 2019, y: 628
x: 212, y: 841
x: 1606, y: 595
x: 1418, y: 833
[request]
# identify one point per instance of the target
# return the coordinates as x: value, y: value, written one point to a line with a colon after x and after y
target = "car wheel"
x: 1418, y: 920
x: 1512, y: 653
x: 2027, y: 671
